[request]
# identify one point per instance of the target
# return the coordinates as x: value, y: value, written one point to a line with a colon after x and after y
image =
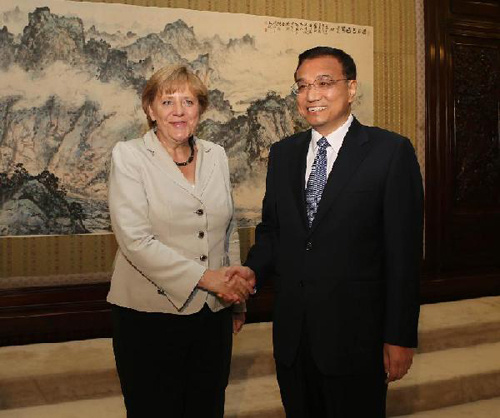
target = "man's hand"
x: 235, y: 290
x: 397, y: 361
x: 243, y: 272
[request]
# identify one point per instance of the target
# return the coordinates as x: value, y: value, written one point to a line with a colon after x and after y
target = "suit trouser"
x: 174, y: 366
x: 308, y: 393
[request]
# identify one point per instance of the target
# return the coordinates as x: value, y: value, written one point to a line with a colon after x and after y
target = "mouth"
x: 316, y: 109
x: 178, y: 124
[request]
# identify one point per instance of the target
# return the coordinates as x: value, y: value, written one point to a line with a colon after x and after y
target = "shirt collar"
x: 335, y: 139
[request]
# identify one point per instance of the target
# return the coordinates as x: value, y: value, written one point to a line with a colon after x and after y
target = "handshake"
x: 231, y: 284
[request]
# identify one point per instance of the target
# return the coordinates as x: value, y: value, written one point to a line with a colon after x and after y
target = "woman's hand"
x: 233, y: 290
x: 238, y: 321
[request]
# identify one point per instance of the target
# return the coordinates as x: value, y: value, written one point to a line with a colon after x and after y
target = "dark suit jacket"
x: 353, y: 278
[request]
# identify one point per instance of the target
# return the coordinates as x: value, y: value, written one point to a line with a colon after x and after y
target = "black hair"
x: 348, y: 65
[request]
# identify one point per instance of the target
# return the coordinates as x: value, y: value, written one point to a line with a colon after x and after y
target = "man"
x: 341, y: 235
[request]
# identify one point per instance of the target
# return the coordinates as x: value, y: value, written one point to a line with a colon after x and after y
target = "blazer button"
x: 199, y: 212
x: 201, y: 234
x: 203, y: 257
x: 161, y: 292
x: 301, y: 283
x: 309, y: 245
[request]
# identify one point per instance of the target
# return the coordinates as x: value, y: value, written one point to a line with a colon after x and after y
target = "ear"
x: 151, y: 114
x: 351, y: 89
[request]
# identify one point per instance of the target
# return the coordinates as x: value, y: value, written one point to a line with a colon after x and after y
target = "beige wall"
x: 46, y: 260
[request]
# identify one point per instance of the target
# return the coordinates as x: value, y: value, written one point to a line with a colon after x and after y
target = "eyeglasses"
x: 321, y: 83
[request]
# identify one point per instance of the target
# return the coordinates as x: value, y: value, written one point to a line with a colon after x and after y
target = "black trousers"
x: 174, y: 366
x: 308, y: 393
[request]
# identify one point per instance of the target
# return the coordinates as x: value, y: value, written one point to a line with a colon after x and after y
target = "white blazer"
x: 169, y: 231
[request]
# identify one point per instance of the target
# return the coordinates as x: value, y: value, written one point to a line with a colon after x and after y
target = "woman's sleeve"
x: 174, y: 276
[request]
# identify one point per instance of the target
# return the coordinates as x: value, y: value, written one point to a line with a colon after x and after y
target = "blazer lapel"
x: 207, y: 160
x: 297, y: 173
x: 351, y: 154
x: 160, y: 158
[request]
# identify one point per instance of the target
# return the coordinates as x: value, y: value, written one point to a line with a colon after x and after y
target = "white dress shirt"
x: 335, y: 139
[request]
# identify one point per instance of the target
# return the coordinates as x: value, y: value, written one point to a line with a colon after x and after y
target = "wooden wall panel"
x: 462, y: 149
x: 484, y: 9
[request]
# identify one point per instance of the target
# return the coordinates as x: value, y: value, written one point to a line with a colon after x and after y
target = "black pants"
x: 174, y: 366
x: 308, y: 393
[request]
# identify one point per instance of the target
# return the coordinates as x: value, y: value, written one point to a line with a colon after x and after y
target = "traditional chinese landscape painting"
x: 71, y: 74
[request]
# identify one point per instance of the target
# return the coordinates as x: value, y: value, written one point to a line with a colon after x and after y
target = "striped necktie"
x: 317, y: 180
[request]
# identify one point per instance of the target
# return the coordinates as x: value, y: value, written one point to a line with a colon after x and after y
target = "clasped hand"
x: 231, y: 284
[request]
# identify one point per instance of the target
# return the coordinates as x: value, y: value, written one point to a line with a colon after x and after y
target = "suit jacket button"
x: 199, y: 212
x: 309, y: 245
x: 161, y: 292
x: 301, y: 283
x: 203, y: 257
x: 201, y: 234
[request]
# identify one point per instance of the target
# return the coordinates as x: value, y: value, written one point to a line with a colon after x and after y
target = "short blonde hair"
x: 169, y: 80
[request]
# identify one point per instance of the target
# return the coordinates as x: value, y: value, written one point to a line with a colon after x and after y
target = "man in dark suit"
x: 341, y: 236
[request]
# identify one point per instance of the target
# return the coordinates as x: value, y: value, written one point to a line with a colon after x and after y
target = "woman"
x: 172, y: 215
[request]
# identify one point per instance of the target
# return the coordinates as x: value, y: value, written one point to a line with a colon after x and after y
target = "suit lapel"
x: 351, y: 154
x: 297, y: 176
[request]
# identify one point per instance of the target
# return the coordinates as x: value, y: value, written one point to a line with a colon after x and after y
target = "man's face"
x: 325, y: 109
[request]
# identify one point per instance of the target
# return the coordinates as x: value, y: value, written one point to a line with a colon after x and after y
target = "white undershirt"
x: 335, y: 139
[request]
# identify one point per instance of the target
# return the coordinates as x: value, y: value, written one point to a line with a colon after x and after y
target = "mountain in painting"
x: 70, y: 92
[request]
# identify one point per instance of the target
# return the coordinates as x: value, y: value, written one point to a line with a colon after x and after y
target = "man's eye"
x: 301, y: 87
x: 325, y: 80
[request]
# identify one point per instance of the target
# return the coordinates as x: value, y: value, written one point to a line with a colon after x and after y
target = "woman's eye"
x: 188, y: 102
x: 167, y: 102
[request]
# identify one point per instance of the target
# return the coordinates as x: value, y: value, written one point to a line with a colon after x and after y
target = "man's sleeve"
x: 403, y: 236
x: 262, y: 254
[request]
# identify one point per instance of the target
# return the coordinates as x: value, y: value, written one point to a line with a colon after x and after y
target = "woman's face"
x: 176, y: 114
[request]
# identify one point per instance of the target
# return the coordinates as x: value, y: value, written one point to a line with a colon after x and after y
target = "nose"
x: 312, y: 93
x: 178, y: 108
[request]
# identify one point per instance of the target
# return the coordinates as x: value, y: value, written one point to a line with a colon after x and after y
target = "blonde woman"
x: 173, y: 217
